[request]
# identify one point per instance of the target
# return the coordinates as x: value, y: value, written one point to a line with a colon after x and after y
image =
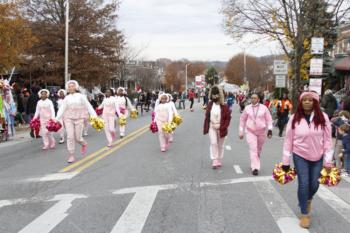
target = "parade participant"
x: 45, y: 111
x: 110, y: 108
x: 61, y: 95
x: 73, y: 109
x: 255, y: 121
x: 191, y: 96
x: 125, y: 105
x: 309, y: 140
x: 216, y: 123
x: 163, y: 114
x: 173, y: 113
x: 284, y: 107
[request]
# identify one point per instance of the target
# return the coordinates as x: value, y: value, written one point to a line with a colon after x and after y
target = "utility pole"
x: 66, y: 74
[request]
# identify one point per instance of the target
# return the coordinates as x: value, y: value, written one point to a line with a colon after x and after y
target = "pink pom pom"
x: 122, y: 110
x: 53, y: 126
x: 153, y: 127
x: 99, y: 111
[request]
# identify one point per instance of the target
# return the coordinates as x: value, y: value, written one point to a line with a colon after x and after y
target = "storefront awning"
x: 343, y: 64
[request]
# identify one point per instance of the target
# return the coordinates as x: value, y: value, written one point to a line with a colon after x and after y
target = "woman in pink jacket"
x: 110, y: 108
x: 255, y: 121
x: 74, y: 109
x: 163, y: 114
x: 45, y: 111
x: 309, y: 140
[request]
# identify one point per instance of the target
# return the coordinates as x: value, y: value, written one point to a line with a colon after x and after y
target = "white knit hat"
x: 62, y: 90
x: 43, y: 90
x: 74, y: 82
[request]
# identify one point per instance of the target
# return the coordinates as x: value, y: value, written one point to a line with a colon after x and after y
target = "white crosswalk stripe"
x: 336, y: 203
x: 210, y: 210
x: 280, y: 211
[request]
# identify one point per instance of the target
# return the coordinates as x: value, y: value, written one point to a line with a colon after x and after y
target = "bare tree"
x: 290, y: 22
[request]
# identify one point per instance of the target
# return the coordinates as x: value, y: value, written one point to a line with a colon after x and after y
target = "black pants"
x: 192, y: 102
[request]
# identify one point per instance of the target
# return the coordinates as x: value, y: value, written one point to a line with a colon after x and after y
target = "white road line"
x: 52, y: 177
x: 135, y: 215
x: 210, y: 215
x: 53, y: 216
x: 228, y: 147
x: 236, y: 181
x: 337, y: 204
x: 279, y: 209
x: 238, y: 169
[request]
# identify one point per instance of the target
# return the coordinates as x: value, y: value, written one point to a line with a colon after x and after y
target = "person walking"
x: 216, y: 123
x: 61, y: 95
x: 110, y: 108
x: 308, y: 141
x: 191, y: 96
x: 125, y: 105
x: 329, y: 103
x: 284, y: 107
x: 74, y: 109
x: 256, y: 123
x: 45, y: 111
x: 163, y: 114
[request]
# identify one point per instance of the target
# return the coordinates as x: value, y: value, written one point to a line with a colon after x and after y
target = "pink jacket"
x: 256, y: 119
x: 75, y: 106
x: 163, y: 113
x: 44, y: 110
x: 110, y: 107
x: 306, y: 141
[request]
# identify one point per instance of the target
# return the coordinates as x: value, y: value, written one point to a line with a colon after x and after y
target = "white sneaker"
x: 61, y: 141
x: 85, y: 134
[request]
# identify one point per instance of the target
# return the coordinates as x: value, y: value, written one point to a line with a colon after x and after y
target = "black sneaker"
x: 255, y: 172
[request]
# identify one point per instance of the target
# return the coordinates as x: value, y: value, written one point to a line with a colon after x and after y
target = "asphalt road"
x: 136, y: 188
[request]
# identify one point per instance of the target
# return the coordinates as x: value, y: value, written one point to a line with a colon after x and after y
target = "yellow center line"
x: 109, y: 152
x: 95, y: 154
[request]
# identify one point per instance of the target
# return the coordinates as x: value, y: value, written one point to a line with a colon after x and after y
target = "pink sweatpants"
x: 47, y: 136
x: 109, y: 128
x: 216, y: 143
x: 74, y: 128
x: 61, y: 131
x: 163, y: 137
x: 255, y: 142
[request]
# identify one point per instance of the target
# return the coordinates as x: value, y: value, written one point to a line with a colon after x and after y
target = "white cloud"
x: 178, y: 29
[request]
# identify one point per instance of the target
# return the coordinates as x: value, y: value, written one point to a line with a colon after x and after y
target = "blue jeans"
x: 308, y: 174
x: 347, y: 162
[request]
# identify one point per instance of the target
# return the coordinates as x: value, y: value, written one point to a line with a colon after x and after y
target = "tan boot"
x: 309, y: 206
x: 305, y: 221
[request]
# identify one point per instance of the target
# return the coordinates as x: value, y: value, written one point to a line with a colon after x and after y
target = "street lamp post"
x: 66, y: 75
x: 186, y: 84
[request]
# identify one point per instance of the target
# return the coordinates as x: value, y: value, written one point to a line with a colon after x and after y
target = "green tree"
x: 212, y: 76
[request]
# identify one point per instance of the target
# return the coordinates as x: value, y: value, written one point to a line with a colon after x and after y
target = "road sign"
x: 317, y: 45
x: 316, y: 66
x: 316, y: 85
x: 280, y: 67
x: 280, y: 81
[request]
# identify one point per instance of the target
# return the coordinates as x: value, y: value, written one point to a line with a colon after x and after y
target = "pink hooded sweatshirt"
x: 307, y: 141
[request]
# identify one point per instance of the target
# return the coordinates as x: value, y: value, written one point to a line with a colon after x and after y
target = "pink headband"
x: 311, y: 94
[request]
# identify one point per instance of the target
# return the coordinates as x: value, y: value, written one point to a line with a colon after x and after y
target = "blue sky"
x: 179, y: 29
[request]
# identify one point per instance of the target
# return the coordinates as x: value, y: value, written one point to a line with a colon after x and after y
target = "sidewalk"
x: 21, y: 135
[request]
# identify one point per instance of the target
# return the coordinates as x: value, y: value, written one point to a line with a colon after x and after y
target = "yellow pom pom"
x: 167, y: 128
x: 133, y: 114
x: 122, y: 120
x: 97, y: 123
x: 330, y: 176
x: 177, y: 119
